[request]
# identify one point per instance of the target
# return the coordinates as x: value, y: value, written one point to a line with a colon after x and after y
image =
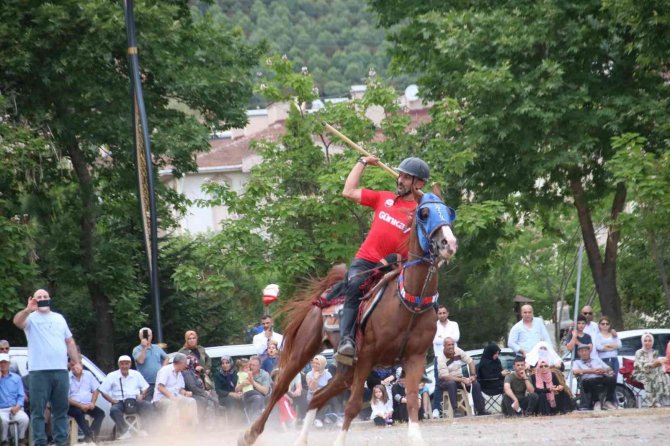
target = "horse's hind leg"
x: 336, y: 386
x: 306, y: 345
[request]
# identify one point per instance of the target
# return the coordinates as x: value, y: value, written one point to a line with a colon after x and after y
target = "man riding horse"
x: 388, y: 235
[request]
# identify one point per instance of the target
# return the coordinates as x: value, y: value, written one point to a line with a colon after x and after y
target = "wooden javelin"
x: 357, y: 148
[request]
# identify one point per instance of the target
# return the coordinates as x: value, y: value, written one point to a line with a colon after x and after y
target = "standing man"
x: 50, y: 342
x: 149, y: 358
x: 11, y: 401
x: 120, y: 385
x: 527, y: 332
x: 83, y: 396
x: 445, y: 329
x: 262, y: 340
x: 579, y: 338
x: 591, y: 327
x: 391, y: 223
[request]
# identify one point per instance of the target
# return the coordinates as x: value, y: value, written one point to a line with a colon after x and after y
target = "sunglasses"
x: 543, y: 366
x: 4, y: 349
x: 586, y: 313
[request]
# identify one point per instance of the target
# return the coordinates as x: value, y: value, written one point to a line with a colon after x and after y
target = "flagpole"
x: 145, y: 173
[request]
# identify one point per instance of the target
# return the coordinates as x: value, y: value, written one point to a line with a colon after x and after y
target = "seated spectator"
x: 194, y: 384
x: 579, y: 338
x: 399, y: 395
x: 120, y: 385
x: 287, y: 414
x: 527, y: 332
x: 225, y: 381
x: 490, y: 373
x: 597, y: 379
x: 317, y: 378
x: 272, y: 358
x: 255, y: 384
x: 543, y: 350
x: 11, y: 401
x: 553, y: 397
x: 648, y: 370
x: 520, y: 397
x: 298, y: 396
x: 381, y: 406
x: 450, y: 363
x: 204, y: 367
x: 424, y: 399
x: 83, y: 396
x: 171, y: 395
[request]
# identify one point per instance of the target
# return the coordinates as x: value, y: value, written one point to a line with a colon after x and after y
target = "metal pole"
x: 580, y: 254
x: 146, y: 175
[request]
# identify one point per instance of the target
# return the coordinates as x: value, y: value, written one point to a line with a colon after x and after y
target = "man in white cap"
x: 50, y: 342
x: 11, y: 401
x: 124, y: 384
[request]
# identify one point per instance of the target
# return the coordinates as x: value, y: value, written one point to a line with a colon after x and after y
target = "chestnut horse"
x: 398, y: 332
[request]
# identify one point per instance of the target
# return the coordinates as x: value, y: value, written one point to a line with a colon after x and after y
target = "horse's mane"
x: 303, y: 301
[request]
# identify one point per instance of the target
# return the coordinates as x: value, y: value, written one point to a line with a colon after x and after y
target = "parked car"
x: 19, y: 358
x: 630, y: 343
x: 506, y: 358
x: 235, y: 351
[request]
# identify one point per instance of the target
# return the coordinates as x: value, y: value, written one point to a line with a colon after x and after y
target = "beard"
x: 401, y: 190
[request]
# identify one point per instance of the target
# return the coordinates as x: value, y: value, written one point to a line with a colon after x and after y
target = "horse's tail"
x: 297, y: 309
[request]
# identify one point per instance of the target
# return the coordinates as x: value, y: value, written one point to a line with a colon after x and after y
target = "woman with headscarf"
x: 552, y: 395
x: 542, y: 350
x: 490, y: 373
x: 649, y: 371
x: 317, y: 378
x: 225, y: 381
x: 204, y: 367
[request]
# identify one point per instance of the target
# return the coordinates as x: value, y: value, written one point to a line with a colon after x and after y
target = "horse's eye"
x: 424, y: 213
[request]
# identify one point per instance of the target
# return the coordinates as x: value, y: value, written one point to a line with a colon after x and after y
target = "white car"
x: 19, y: 364
x: 630, y: 343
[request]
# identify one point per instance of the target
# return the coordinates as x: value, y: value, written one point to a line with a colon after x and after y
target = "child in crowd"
x: 424, y: 401
x: 287, y: 414
x: 381, y: 406
x: 243, y: 374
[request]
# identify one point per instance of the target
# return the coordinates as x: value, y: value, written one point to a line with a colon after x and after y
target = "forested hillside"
x: 336, y: 39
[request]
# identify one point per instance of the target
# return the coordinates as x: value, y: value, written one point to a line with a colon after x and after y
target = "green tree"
x: 540, y: 89
x: 64, y: 65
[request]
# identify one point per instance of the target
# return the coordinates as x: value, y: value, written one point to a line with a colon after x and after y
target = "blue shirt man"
x: 11, y: 400
x: 149, y: 358
x: 527, y: 332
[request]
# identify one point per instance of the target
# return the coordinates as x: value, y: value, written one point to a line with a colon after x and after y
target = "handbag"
x: 129, y: 404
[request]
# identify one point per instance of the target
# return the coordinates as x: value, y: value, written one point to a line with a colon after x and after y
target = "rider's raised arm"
x: 351, y: 189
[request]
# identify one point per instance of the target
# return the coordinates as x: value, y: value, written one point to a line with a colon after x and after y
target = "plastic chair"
x: 635, y: 386
x: 462, y: 402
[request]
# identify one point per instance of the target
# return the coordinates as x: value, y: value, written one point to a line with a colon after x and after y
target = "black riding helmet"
x: 415, y: 167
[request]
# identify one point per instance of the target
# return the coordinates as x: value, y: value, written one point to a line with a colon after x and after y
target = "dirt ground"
x: 620, y: 427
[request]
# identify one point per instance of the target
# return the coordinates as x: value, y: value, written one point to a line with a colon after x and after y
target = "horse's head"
x: 433, y: 225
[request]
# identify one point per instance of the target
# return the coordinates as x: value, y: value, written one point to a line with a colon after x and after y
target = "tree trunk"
x: 104, y: 333
x: 603, y: 271
x: 660, y: 267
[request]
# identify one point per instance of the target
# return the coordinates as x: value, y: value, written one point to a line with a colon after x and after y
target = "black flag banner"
x: 145, y: 173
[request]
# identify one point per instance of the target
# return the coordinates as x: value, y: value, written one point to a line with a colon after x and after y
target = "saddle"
x: 331, y: 301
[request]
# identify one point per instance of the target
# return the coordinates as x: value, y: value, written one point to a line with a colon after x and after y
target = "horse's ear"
x: 437, y: 189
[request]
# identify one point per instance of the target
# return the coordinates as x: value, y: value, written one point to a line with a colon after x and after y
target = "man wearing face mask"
x: 388, y: 234
x: 50, y: 342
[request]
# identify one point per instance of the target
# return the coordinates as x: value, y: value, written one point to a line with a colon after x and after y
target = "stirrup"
x: 344, y: 360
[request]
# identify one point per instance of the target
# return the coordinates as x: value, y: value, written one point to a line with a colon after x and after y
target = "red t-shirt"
x: 390, y: 225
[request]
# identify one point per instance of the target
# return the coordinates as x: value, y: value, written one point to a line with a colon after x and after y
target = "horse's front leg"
x: 413, y: 371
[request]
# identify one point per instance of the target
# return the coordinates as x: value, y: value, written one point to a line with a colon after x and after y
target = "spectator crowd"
x: 192, y: 391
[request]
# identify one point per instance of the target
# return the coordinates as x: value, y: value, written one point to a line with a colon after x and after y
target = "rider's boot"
x: 347, y: 346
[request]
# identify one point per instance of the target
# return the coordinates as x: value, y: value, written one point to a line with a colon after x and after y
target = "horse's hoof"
x: 242, y: 440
